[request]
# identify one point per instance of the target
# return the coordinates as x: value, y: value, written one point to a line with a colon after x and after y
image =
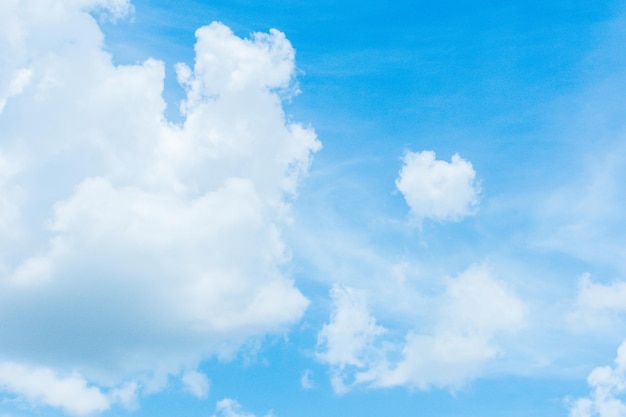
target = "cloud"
x: 474, y: 309
x: 436, y: 189
x: 597, y: 306
x: 137, y: 246
x: 350, y: 339
x: 196, y: 383
x: 607, y: 385
x: 42, y: 386
x: 306, y: 380
x: 231, y: 408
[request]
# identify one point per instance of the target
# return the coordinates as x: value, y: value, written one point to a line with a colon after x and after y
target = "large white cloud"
x: 136, y: 247
x: 474, y: 309
x: 436, y: 189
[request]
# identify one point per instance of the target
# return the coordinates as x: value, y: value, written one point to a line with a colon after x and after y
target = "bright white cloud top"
x: 136, y: 247
x: 169, y: 246
x: 438, y: 190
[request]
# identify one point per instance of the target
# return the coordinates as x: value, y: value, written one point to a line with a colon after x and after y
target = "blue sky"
x: 290, y: 209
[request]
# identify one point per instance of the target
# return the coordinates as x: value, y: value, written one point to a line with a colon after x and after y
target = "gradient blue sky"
x: 421, y: 214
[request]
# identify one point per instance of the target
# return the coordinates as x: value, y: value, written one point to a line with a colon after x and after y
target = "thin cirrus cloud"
x: 137, y: 247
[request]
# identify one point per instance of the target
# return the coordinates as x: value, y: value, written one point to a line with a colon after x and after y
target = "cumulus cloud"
x: 71, y: 392
x: 137, y: 246
x: 436, y: 189
x: 608, y: 385
x: 474, y: 309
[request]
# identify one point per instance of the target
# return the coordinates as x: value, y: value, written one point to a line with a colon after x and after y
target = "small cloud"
x: 196, y: 383
x: 305, y: 380
x: 436, y: 189
x: 352, y: 330
x: 231, y: 408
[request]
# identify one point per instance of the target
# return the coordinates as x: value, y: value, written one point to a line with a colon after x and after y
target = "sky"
x: 304, y: 209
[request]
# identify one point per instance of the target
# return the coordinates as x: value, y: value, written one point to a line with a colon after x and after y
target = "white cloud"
x: 597, y: 305
x: 306, y: 380
x: 139, y: 247
x: 42, y: 386
x: 18, y: 82
x: 472, y: 312
x: 436, y: 189
x: 231, y: 408
x: 351, y: 338
x: 608, y: 385
x: 351, y: 328
x: 196, y: 383
x: 125, y: 395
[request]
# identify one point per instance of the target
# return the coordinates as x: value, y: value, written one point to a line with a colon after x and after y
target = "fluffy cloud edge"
x: 438, y: 190
x: 70, y: 393
x: 473, y: 311
x: 149, y: 192
x: 607, y: 384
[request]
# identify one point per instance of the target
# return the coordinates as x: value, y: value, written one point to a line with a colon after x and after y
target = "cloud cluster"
x: 474, y: 309
x: 132, y: 247
x: 608, y: 384
x: 436, y: 189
